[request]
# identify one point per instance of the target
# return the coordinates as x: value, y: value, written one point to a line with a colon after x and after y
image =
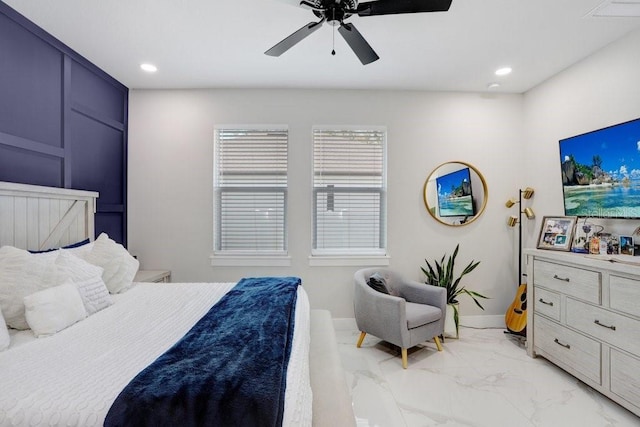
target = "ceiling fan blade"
x: 305, y: 4
x: 390, y: 7
x: 295, y: 3
x: 294, y: 39
x: 358, y: 44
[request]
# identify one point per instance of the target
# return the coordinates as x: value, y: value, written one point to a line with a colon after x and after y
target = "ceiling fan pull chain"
x: 333, y: 51
x: 333, y: 35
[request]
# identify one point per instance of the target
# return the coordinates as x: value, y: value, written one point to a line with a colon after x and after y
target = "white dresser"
x: 583, y: 315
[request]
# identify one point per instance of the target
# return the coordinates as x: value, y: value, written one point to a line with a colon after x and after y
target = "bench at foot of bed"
x: 331, y: 397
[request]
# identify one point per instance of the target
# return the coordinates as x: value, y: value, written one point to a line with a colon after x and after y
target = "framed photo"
x: 594, y: 245
x: 580, y: 242
x: 612, y: 243
x: 626, y: 245
x: 556, y: 232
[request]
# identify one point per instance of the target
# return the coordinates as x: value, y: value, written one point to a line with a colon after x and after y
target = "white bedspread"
x: 72, y: 377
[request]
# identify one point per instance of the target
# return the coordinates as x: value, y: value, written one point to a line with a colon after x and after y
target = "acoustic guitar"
x: 516, y: 316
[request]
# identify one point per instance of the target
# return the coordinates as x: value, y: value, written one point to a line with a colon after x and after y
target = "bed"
x: 78, y: 375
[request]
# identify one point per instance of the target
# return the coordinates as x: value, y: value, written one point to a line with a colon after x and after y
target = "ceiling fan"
x: 336, y: 11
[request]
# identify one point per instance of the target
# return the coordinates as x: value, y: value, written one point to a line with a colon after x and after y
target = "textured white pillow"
x: 94, y: 293
x: 22, y: 274
x: 87, y: 277
x: 71, y: 267
x: 119, y: 266
x: 54, y: 309
x: 80, y: 251
x: 5, y: 339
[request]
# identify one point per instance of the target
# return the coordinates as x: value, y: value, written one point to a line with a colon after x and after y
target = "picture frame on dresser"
x: 626, y: 245
x: 556, y: 232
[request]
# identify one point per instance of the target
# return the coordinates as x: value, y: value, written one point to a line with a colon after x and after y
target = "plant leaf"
x: 456, y: 318
x: 473, y: 297
x: 469, y: 268
x: 443, y: 274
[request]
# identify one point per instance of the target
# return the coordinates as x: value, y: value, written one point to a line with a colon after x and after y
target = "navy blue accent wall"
x: 63, y: 121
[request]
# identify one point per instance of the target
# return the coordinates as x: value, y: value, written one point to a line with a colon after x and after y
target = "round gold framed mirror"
x: 455, y: 193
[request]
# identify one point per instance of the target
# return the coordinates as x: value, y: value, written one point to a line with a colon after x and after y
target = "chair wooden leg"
x: 437, y: 341
x: 405, y: 362
x: 362, y: 334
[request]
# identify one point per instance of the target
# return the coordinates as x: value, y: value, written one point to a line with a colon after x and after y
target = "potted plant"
x: 443, y: 275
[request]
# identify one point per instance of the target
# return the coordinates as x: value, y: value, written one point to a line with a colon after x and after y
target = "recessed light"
x: 493, y: 85
x: 503, y: 71
x: 149, y: 68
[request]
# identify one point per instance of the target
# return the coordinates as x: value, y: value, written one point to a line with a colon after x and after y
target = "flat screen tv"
x: 455, y: 197
x: 601, y: 172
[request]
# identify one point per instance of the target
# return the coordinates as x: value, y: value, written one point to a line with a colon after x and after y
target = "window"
x: 250, y: 191
x: 349, y: 191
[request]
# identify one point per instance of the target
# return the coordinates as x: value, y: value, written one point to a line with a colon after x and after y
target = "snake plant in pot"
x: 441, y: 274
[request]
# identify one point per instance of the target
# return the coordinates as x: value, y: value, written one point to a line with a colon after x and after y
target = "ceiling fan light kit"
x: 335, y: 12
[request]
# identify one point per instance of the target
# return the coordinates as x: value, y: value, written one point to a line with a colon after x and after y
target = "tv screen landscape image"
x: 455, y: 197
x: 601, y: 172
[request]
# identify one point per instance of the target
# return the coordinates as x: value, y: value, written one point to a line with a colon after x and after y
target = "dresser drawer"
x: 547, y: 303
x: 577, y: 282
x: 568, y: 347
x: 624, y: 295
x: 614, y: 328
x: 625, y: 377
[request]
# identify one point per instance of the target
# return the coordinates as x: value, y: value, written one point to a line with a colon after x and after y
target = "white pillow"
x: 73, y: 268
x: 5, y: 339
x: 80, y: 251
x: 94, y: 293
x: 119, y: 266
x: 87, y: 277
x: 54, y: 309
x: 22, y: 274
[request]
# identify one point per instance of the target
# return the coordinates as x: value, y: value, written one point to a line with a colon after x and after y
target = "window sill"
x: 250, y: 260
x: 349, y: 261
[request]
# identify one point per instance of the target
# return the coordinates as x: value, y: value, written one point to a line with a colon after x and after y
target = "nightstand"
x: 155, y: 276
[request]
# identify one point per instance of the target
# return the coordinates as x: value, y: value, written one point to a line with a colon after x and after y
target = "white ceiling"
x: 216, y: 43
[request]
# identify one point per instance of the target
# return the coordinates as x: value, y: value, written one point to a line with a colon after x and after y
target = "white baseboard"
x: 486, y: 321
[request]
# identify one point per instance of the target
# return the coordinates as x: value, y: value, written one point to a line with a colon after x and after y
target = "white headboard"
x: 37, y: 218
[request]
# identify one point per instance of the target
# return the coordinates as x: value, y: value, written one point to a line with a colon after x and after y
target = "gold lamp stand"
x: 516, y: 318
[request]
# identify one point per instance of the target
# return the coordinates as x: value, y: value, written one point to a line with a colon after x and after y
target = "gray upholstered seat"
x: 411, y: 314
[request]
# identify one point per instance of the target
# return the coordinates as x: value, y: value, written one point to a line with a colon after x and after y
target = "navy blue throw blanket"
x: 228, y: 370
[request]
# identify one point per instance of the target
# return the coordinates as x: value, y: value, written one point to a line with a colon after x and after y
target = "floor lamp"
x: 515, y: 317
x: 526, y: 194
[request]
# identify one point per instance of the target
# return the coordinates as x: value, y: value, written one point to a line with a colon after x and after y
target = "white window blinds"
x: 250, y: 190
x: 349, y: 191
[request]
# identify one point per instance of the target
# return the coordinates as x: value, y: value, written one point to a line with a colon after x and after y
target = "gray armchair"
x: 415, y: 315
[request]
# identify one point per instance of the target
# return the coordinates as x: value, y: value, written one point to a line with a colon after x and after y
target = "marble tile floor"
x: 482, y: 379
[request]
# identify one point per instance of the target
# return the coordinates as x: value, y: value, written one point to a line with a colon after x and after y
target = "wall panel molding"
x: 67, y: 168
x: 73, y: 155
x: 57, y: 44
x: 30, y: 145
x: 97, y: 116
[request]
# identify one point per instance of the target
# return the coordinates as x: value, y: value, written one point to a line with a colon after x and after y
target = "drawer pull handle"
x: 563, y: 345
x: 550, y: 303
x: 597, y: 322
x: 564, y: 279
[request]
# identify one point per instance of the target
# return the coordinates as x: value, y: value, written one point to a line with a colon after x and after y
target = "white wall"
x: 600, y: 91
x: 511, y: 139
x: 170, y: 180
